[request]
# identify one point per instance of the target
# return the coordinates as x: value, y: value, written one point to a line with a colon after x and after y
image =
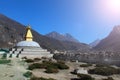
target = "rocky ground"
x: 12, y: 71
x: 15, y: 70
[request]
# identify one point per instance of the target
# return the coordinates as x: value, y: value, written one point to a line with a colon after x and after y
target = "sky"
x: 86, y: 20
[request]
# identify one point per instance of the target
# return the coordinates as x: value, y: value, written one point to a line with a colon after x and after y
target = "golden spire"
x: 28, y: 35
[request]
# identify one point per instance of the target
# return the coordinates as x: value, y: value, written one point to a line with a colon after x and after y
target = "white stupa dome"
x: 27, y: 44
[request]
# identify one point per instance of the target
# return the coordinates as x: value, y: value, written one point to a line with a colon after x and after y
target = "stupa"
x: 28, y: 48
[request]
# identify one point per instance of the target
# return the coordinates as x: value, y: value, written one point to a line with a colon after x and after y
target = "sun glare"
x: 110, y: 9
x: 113, y: 5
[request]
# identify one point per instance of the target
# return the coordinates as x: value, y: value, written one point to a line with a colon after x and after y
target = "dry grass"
x: 12, y: 71
x: 15, y: 70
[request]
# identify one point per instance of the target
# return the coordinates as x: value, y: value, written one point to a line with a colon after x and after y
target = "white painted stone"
x: 80, y: 71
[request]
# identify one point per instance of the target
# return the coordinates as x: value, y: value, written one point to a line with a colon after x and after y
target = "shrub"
x: 51, y: 70
x: 24, y: 57
x: 10, y: 56
x: 101, y: 65
x: 109, y: 78
x: 47, y: 64
x: 4, y: 61
x: 17, y: 56
x: 37, y: 59
x: 105, y: 71
x: 61, y: 62
x: 58, y: 65
x: 36, y: 66
x: 4, y: 56
x: 62, y: 66
x: 85, y: 65
x: 29, y: 60
x: 44, y: 58
x: 27, y: 74
x: 85, y: 77
x: 41, y: 78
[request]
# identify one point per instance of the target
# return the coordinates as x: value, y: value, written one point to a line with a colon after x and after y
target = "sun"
x: 115, y: 4
x: 112, y: 6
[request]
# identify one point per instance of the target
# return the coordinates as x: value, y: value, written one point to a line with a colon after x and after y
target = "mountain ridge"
x: 12, y: 32
x: 111, y: 42
x: 62, y: 37
x: 95, y: 43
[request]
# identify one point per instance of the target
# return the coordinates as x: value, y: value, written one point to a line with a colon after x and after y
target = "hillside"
x: 12, y: 32
x: 111, y: 42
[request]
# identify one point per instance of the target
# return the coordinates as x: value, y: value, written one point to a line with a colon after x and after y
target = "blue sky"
x: 86, y: 20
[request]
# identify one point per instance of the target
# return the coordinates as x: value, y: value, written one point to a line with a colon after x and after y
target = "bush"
x: 47, y: 64
x: 85, y: 77
x: 58, y: 65
x: 62, y: 66
x: 41, y: 78
x: 24, y: 57
x: 4, y: 56
x: 109, y: 78
x: 3, y: 61
x: 85, y: 65
x: 51, y: 70
x: 101, y: 65
x: 37, y: 59
x: 29, y: 60
x: 44, y: 58
x: 17, y: 55
x: 36, y: 66
x: 27, y: 74
x: 105, y: 71
x: 61, y: 62
x: 10, y: 56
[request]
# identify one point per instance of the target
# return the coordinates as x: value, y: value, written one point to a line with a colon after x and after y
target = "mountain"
x: 12, y: 32
x: 95, y: 43
x: 65, y: 37
x: 111, y: 42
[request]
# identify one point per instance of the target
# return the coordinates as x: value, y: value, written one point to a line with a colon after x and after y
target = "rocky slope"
x: 111, y: 42
x: 12, y: 32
